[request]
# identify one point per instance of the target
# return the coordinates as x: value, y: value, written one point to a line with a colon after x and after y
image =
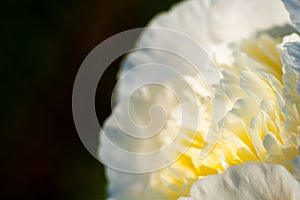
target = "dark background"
x: 43, y: 45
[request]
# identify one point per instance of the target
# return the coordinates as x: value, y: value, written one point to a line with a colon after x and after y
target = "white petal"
x: 206, y: 24
x: 119, y: 150
x: 293, y: 6
x: 125, y: 186
x: 296, y: 167
x: 122, y: 186
x: 248, y: 181
x: 291, y: 57
x: 293, y: 53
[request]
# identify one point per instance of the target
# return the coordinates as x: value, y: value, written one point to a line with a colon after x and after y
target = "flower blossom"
x: 255, y: 48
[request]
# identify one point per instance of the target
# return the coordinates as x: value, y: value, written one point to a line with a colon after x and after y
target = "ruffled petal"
x: 248, y: 181
x: 293, y: 6
x: 291, y: 57
x: 202, y: 23
x: 122, y: 146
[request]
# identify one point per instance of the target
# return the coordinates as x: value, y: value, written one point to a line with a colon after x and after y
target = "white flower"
x: 261, y: 120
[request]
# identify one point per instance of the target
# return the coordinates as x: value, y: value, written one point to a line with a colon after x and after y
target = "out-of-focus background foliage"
x: 43, y: 45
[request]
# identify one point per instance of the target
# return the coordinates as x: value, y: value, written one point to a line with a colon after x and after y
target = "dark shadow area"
x: 44, y: 45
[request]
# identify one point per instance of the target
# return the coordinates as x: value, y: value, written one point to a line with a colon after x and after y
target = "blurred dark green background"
x: 44, y: 45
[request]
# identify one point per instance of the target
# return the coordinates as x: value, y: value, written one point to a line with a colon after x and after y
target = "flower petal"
x: 293, y: 6
x: 248, y: 181
x: 206, y: 23
x: 291, y: 57
x: 296, y: 167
